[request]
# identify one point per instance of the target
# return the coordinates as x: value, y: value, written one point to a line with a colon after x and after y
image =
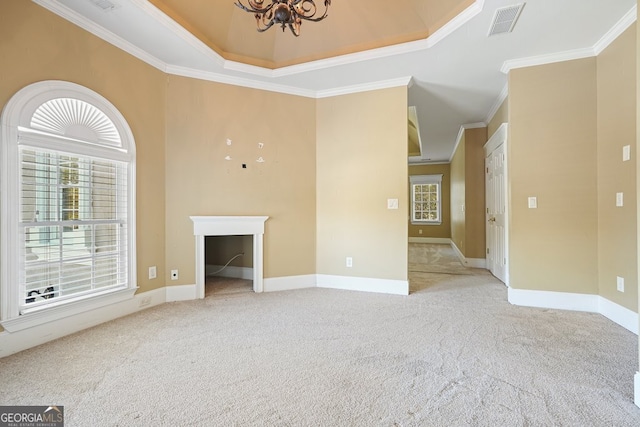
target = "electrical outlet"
x: 349, y: 262
x: 620, y: 283
x: 174, y: 274
x: 145, y: 301
x: 420, y: 231
x: 152, y: 272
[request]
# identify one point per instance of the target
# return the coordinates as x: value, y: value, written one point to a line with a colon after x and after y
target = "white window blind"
x: 73, y: 226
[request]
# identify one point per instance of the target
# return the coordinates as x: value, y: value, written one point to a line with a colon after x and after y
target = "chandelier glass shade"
x: 286, y: 13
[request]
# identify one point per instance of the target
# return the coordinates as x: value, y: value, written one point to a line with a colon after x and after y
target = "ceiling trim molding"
x: 100, y: 32
x: 365, y: 87
x: 533, y: 61
x: 570, y: 55
x: 239, y: 81
x: 418, y: 161
x: 616, y: 31
x: 461, y: 132
x: 498, y: 102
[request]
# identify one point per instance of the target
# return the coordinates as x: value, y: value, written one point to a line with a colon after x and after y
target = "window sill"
x: 426, y: 223
x: 71, y: 308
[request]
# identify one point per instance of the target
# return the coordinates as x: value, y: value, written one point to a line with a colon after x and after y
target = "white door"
x: 496, y: 212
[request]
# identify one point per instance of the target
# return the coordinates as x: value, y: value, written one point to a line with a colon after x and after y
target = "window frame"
x: 416, y: 180
x: 16, y: 133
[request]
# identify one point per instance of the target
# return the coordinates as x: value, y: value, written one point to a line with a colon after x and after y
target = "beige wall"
x: 617, y: 227
x: 474, y: 209
x: 37, y: 45
x: 468, y: 194
x: 201, y: 116
x: 442, y: 231
x: 500, y: 117
x: 362, y: 162
x: 552, y: 156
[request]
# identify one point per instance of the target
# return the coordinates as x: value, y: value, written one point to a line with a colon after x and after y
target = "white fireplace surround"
x: 229, y: 226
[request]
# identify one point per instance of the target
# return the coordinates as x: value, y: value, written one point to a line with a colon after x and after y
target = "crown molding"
x: 239, y: 81
x: 383, y: 84
x: 532, y: 61
x: 570, y: 55
x: 202, y: 48
x: 498, y: 102
x: 616, y: 31
x: 100, y: 32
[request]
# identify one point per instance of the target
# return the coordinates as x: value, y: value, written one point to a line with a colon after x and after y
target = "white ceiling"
x: 458, y: 74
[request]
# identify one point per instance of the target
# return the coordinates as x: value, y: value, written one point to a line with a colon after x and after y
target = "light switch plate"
x: 533, y: 202
x: 619, y: 199
x: 626, y: 153
x: 392, y: 203
x: 620, y: 283
x: 152, y: 272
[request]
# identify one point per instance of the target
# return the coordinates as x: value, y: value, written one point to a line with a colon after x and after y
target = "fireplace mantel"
x: 229, y: 226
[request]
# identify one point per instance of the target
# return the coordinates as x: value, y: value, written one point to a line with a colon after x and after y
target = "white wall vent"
x: 505, y: 19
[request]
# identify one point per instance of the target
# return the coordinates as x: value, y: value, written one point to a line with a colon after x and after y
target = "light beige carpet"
x: 453, y: 353
x: 428, y: 258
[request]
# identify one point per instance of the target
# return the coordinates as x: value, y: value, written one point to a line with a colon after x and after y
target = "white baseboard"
x: 287, y: 283
x: 468, y: 262
x: 636, y: 388
x: 364, y: 284
x: 618, y: 314
x: 14, y: 342
x: 180, y: 293
x: 230, y: 271
x: 576, y: 302
x: 432, y: 240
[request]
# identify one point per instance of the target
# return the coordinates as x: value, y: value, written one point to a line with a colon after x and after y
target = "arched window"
x: 68, y: 204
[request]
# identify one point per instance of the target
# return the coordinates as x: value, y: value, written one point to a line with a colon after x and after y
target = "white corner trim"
x: 287, y: 283
x: 102, y: 33
x: 363, y: 284
x: 636, y: 388
x: 432, y: 240
x: 498, y: 102
x: 180, y: 293
x: 13, y: 342
x: 621, y: 26
x: 576, y: 302
x: 588, y: 52
x: 245, y: 273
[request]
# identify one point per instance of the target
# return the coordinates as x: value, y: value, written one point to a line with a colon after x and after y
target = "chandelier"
x: 286, y: 13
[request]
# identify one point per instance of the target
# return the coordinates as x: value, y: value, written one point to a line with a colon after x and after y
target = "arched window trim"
x: 15, y: 130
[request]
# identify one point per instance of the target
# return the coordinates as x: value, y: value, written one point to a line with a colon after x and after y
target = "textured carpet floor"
x: 427, y: 258
x: 453, y: 353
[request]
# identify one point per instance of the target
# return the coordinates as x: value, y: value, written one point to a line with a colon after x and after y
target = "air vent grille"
x: 505, y: 19
x: 105, y: 5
